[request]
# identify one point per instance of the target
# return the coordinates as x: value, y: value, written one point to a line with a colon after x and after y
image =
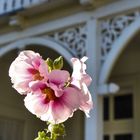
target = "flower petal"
x: 59, y: 77
x: 27, y: 67
x: 36, y: 104
x: 62, y: 108
x: 60, y: 112
x: 71, y: 97
x: 36, y: 85
x: 86, y: 100
x: 58, y: 90
x: 81, y: 80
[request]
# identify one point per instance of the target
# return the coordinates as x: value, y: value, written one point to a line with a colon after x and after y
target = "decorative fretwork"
x: 112, y: 28
x: 74, y: 39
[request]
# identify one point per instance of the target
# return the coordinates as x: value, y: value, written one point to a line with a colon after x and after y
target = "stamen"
x: 49, y: 94
x: 37, y: 76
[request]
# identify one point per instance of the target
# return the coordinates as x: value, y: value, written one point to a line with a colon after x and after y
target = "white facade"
x: 104, y: 31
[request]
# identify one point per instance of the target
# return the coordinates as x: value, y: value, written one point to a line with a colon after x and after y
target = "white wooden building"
x: 107, y: 31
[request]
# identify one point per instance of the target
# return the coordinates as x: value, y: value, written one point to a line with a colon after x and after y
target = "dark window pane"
x: 106, y: 108
x: 124, y: 137
x: 123, y: 106
x: 106, y: 137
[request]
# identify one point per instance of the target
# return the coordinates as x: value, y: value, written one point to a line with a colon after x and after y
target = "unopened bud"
x: 58, y: 63
x: 42, y: 136
x: 57, y: 129
x: 49, y: 63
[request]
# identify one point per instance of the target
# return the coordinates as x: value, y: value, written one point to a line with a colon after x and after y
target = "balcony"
x: 9, y: 6
x: 20, y: 14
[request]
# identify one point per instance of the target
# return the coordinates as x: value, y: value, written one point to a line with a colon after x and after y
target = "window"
x: 11, y: 129
x: 123, y: 106
x: 106, y: 108
x: 106, y: 137
x: 123, y: 137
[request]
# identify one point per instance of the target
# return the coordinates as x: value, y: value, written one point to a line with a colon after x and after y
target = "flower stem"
x: 53, y: 136
x: 52, y: 132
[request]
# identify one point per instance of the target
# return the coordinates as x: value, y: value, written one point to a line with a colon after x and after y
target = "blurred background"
x: 107, y: 31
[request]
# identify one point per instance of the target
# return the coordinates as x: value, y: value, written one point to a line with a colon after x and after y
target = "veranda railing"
x: 8, y: 6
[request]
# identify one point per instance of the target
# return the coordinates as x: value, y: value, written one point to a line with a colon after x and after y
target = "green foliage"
x: 42, y: 136
x: 52, y: 132
x: 57, y: 129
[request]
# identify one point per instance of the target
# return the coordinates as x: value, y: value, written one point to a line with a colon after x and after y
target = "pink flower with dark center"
x: 82, y: 80
x: 26, y: 68
x: 53, y: 101
x: 52, y: 95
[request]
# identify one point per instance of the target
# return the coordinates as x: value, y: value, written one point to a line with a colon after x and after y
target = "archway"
x: 117, y: 48
x: 121, y: 110
x: 49, y: 43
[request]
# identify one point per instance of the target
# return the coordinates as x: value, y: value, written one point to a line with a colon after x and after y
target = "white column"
x: 2, y: 6
x: 94, y: 124
x: 26, y: 3
x: 9, y: 6
x: 17, y: 5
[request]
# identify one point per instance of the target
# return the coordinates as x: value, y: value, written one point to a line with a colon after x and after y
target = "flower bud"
x: 49, y: 63
x: 42, y: 136
x: 58, y: 63
x: 57, y: 129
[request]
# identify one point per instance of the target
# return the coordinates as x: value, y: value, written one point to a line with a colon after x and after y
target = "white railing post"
x: 18, y: 4
x: 94, y: 124
x: 2, y: 6
x: 35, y: 1
x: 9, y: 5
x: 26, y: 3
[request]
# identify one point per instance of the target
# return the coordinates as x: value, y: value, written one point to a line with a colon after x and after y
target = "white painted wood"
x: 9, y: 5
x: 49, y: 43
x: 45, y: 27
x: 68, y: 21
x: 36, y: 1
x: 17, y: 4
x: 101, y: 12
x: 115, y: 7
x: 110, y: 88
x: 26, y: 3
x: 2, y: 7
x: 93, y: 125
x: 117, y: 48
x: 117, y: 126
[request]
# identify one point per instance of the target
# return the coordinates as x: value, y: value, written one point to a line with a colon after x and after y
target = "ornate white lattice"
x: 112, y: 28
x: 74, y: 39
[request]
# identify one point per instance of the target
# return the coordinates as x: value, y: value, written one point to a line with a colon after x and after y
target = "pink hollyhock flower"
x: 82, y: 80
x: 53, y: 101
x: 26, y: 68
